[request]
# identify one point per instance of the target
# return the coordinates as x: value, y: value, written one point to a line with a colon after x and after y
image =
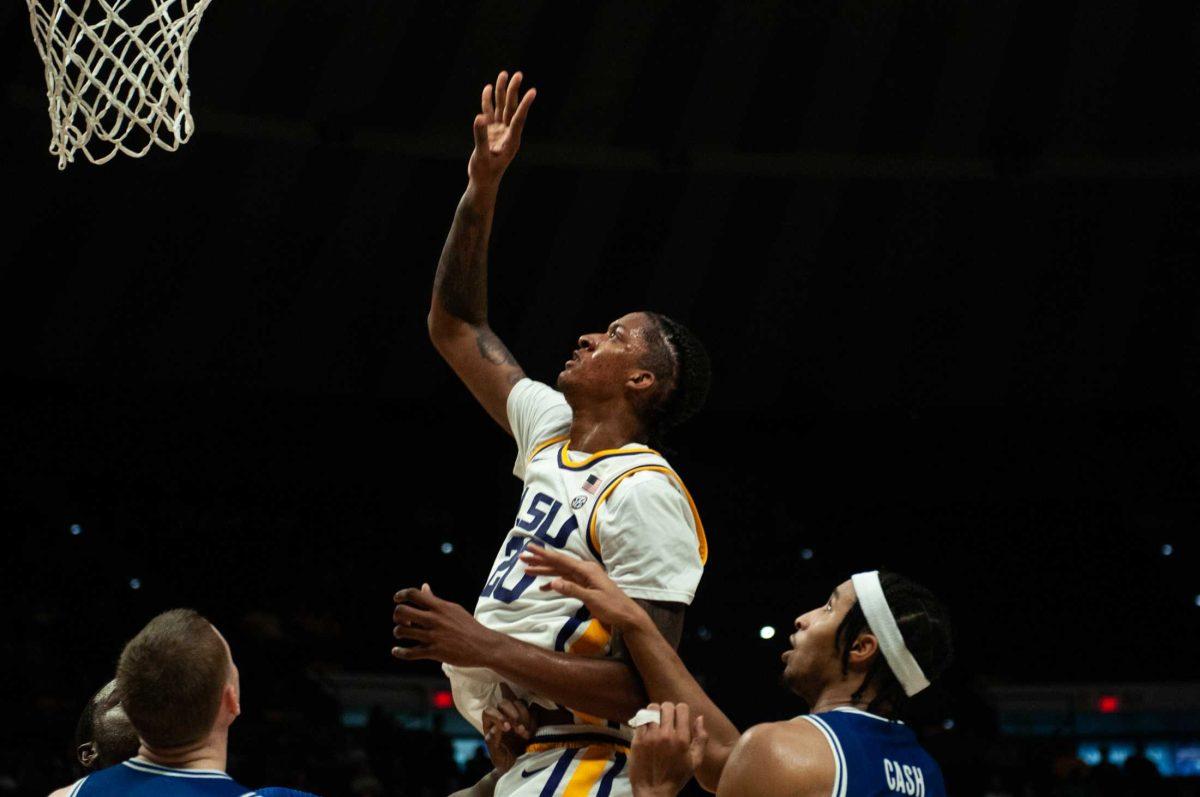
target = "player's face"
x: 812, y: 660
x: 603, y: 362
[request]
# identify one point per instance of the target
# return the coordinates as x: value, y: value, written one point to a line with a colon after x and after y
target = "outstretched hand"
x: 498, y: 128
x: 586, y: 581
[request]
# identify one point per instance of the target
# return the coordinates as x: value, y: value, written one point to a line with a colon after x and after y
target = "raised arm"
x: 458, y: 321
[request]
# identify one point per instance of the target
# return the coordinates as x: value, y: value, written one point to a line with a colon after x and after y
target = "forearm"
x: 666, y: 678
x: 460, y: 285
x: 606, y: 688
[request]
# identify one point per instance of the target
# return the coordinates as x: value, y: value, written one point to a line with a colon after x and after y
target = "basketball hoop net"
x: 115, y: 84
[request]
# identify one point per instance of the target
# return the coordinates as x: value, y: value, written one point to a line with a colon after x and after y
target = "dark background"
x: 943, y: 254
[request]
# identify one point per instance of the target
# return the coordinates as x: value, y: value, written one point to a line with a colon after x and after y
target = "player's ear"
x: 864, y: 649
x: 87, y: 754
x: 231, y: 700
x: 641, y: 380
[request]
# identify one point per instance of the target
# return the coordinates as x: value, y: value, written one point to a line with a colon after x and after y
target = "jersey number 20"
x: 538, y: 518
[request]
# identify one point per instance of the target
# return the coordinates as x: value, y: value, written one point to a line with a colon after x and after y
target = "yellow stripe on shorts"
x: 592, y: 763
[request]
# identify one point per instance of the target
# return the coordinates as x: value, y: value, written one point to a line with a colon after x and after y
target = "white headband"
x: 883, y: 625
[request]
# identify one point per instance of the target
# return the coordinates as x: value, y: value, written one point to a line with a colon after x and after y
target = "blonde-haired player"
x: 592, y: 487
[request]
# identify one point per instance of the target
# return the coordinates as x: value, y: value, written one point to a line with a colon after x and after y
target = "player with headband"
x: 877, y: 641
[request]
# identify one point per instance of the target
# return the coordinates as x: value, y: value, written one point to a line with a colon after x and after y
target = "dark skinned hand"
x: 507, y: 729
x: 441, y: 630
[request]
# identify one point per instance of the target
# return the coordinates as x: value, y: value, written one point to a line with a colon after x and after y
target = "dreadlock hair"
x: 680, y: 364
x: 925, y: 625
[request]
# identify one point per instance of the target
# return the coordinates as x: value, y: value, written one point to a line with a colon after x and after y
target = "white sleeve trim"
x: 839, y: 757
x: 650, y: 594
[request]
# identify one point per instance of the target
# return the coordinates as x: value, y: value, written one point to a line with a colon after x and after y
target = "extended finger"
x: 493, y: 717
x: 699, y: 732
x: 667, y: 720
x: 411, y: 632
x: 501, y: 95
x: 511, y: 97
x: 411, y: 653
x: 683, y: 725
x: 518, y: 118
x: 486, y: 102
x: 699, y: 741
x: 415, y: 596
x: 552, y: 561
x: 523, y: 713
x: 514, y: 718
x: 568, y: 588
x: 509, y: 710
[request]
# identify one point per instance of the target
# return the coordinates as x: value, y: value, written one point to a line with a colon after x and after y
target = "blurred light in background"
x: 447, y: 547
x: 767, y: 632
x: 1168, y: 549
x: 1108, y: 704
x: 704, y: 633
x: 443, y: 698
x: 135, y: 583
x: 76, y: 529
x: 806, y: 553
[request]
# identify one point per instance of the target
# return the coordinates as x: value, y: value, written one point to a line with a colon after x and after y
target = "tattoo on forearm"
x: 493, y: 350
x: 460, y: 284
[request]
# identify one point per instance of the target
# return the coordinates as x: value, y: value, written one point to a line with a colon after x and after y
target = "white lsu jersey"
x: 647, y: 535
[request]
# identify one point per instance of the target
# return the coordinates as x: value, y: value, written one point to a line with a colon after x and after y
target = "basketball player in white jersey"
x: 877, y: 641
x: 592, y: 486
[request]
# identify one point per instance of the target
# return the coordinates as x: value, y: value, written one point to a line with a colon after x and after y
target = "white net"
x: 116, y: 74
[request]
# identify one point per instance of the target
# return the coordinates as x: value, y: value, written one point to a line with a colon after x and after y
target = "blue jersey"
x: 876, y: 757
x: 139, y: 777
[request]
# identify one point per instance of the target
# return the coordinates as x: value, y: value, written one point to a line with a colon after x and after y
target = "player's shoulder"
x: 794, y: 753
x: 644, y: 492
x: 532, y: 393
x: 644, y: 480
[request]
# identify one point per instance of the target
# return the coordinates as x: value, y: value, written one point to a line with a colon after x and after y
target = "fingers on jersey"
x: 541, y: 560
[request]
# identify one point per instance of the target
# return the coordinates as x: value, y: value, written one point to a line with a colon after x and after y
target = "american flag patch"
x: 591, y: 485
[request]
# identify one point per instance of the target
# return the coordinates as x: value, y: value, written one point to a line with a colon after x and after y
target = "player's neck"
x: 208, y: 753
x: 602, y: 427
x: 841, y: 695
